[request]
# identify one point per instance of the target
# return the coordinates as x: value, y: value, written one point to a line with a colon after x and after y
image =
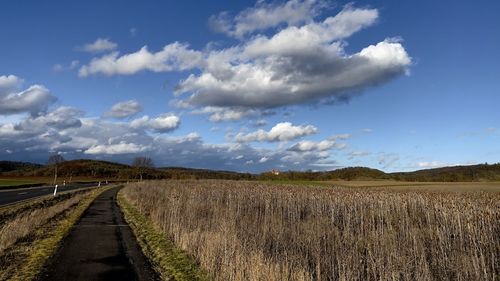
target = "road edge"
x: 170, y: 262
x: 46, y: 248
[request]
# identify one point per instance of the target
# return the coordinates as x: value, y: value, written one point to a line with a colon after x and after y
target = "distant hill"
x: 110, y: 170
x: 482, y: 172
x: 181, y: 172
x: 7, y: 166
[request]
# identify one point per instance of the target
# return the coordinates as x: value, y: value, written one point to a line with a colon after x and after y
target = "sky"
x: 252, y: 86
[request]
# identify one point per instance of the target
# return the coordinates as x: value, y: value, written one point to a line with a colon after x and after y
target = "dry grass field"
x: 419, y: 186
x: 31, y: 231
x: 260, y: 231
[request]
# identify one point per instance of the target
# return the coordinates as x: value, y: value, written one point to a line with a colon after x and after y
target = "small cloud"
x: 263, y: 16
x: 219, y: 114
x: 387, y: 160
x: 491, y: 130
x: 354, y: 154
x: 119, y: 148
x: 98, y: 46
x: 57, y: 67
x: 260, y: 123
x: 263, y: 159
x: 341, y: 137
x: 280, y: 132
x: 161, y: 124
x: 72, y: 65
x: 367, y: 130
x: 305, y: 146
x: 124, y: 109
x: 133, y: 31
x: 431, y: 164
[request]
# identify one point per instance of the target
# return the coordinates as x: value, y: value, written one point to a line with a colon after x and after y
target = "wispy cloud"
x: 124, y: 109
x: 99, y: 45
x: 284, y: 131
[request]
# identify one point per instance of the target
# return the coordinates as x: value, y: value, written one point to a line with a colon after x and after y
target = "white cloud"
x: 61, y: 118
x: 367, y: 130
x: 280, y: 132
x: 264, y: 16
x: 34, y: 100
x: 304, y: 62
x: 175, y: 56
x: 124, y: 109
x: 218, y: 114
x: 388, y: 160
x: 298, y: 64
x: 64, y: 130
x: 161, y: 124
x: 354, y: 154
x: 9, y: 83
x: 133, y: 31
x: 72, y: 65
x: 260, y: 122
x: 307, y: 145
x: 99, y: 45
x: 430, y: 164
x: 119, y: 148
x: 341, y: 137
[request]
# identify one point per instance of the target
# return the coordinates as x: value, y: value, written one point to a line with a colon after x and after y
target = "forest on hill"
x: 111, y: 170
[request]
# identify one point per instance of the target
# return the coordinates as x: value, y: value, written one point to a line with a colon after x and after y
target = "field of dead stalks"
x: 30, y: 231
x: 256, y: 231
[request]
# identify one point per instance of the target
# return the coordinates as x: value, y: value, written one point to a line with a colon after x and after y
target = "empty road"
x: 16, y: 195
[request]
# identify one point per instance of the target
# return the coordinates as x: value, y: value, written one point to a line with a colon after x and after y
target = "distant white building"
x: 275, y: 172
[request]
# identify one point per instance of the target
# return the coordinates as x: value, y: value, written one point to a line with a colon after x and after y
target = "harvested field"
x: 256, y: 231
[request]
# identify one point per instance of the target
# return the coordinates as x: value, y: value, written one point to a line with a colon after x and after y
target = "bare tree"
x: 142, y: 164
x: 55, y: 160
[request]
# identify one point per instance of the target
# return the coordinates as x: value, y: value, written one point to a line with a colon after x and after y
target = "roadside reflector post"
x: 55, y: 190
x: 106, y: 182
x: 99, y: 185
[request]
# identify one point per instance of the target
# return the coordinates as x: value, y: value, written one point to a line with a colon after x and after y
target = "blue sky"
x: 250, y: 86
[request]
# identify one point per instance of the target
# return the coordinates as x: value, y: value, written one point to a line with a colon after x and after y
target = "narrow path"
x: 101, y: 246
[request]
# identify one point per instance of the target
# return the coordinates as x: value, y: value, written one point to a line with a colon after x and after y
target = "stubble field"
x: 258, y: 231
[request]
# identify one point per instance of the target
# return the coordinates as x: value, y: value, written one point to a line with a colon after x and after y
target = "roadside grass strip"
x: 170, y: 262
x: 29, y: 254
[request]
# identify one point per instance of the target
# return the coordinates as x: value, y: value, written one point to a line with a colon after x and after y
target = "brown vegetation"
x: 254, y: 231
x: 31, y: 231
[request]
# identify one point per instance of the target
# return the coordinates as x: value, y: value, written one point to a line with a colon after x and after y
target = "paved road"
x: 15, y: 195
x: 101, y: 246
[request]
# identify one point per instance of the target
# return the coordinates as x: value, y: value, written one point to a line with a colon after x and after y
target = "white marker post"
x: 99, y: 185
x: 55, y: 190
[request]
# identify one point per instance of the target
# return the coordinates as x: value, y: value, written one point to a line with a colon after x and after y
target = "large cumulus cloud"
x: 303, y: 62
x: 34, y: 100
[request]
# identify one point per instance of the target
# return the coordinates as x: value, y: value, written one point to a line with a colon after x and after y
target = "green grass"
x: 169, y: 261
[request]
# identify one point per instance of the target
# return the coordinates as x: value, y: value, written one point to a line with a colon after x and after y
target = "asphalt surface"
x: 16, y: 195
x: 101, y: 246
